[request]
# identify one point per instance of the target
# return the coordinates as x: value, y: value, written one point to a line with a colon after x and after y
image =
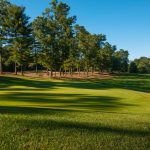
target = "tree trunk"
x: 84, y: 71
x: 71, y: 72
x: 47, y: 72
x: 101, y: 71
x: 1, y: 67
x: 79, y: 71
x: 15, y: 68
x: 55, y: 72
x: 63, y: 73
x: 60, y: 72
x: 21, y: 70
x: 36, y: 69
x: 87, y: 72
x: 51, y: 73
x: 92, y: 71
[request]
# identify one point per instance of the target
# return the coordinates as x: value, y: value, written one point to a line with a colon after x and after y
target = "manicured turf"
x: 41, y: 114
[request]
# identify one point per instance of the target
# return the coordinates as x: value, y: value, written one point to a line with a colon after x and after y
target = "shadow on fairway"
x: 131, y: 82
x: 6, y: 82
x: 59, y: 101
x: 31, y: 110
x: 39, y: 103
x: 49, y: 101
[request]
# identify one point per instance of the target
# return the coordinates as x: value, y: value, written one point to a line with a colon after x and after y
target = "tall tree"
x: 143, y: 65
x: 54, y: 31
x: 83, y: 38
x: 65, y: 30
x: 72, y: 62
x: 120, y: 61
x: 35, y: 53
x: 133, y: 67
x: 45, y: 32
x: 104, y: 57
x: 88, y: 46
x: 19, y: 32
x: 3, y: 34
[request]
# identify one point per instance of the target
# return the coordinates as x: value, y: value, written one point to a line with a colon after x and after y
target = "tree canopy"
x: 54, y: 42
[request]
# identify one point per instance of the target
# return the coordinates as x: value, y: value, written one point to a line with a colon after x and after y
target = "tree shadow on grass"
x: 80, y: 127
x: 66, y: 101
x: 14, y: 110
x: 122, y: 82
x: 95, y: 128
x: 53, y: 103
x: 100, y: 84
x: 6, y: 82
x: 132, y: 76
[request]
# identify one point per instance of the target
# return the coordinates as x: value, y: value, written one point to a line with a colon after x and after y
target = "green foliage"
x: 3, y: 40
x: 142, y: 65
x: 133, y: 67
x: 55, y: 33
x: 88, y: 46
x: 104, y: 57
x: 35, y: 53
x: 120, y: 61
x: 54, y: 42
x: 19, y: 34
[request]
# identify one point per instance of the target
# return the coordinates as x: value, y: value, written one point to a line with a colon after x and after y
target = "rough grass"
x: 41, y: 114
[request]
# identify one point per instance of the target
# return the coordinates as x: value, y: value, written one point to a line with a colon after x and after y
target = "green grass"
x: 41, y: 114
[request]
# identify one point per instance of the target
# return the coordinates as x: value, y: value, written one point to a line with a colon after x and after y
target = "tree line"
x: 141, y: 65
x: 54, y: 42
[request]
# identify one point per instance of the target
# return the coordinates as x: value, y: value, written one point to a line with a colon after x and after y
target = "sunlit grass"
x: 74, y: 114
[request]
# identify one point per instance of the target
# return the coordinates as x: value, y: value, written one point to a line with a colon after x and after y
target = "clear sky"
x: 126, y: 23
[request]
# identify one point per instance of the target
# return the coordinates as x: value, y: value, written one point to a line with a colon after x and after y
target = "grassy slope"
x: 57, y: 114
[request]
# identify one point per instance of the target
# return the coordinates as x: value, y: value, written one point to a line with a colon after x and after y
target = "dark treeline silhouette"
x: 54, y: 42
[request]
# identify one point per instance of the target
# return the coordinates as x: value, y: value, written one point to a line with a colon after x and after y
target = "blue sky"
x: 126, y: 23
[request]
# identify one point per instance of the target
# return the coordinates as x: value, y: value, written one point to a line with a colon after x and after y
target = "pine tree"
x: 3, y: 34
x: 54, y: 32
x: 104, y: 57
x: 19, y: 31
